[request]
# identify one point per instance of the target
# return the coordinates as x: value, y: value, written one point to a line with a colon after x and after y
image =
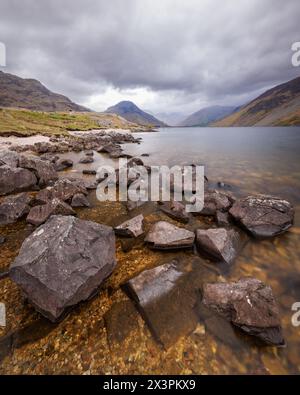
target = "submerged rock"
x: 63, y: 263
x: 131, y: 228
x: 164, y: 235
x: 175, y: 210
x: 39, y: 214
x: 15, y: 179
x: 221, y: 244
x: 14, y: 207
x: 63, y: 164
x: 87, y: 159
x: 263, y: 216
x: 249, y: 305
x: 166, y: 297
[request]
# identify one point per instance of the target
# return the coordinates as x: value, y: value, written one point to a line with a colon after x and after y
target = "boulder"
x: 80, y: 200
x: 43, y: 170
x: 222, y: 219
x: 49, y: 157
x: 15, y: 179
x: 249, y: 305
x: 175, y: 210
x: 216, y: 201
x: 87, y: 159
x: 63, y: 189
x: 164, y: 235
x: 221, y: 244
x: 39, y: 214
x: 63, y: 164
x: 14, y: 207
x: 263, y: 216
x: 131, y: 228
x: 9, y: 158
x: 64, y: 262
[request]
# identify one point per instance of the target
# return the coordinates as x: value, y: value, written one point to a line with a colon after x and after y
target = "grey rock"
x: 63, y: 164
x: 221, y: 244
x: 216, y: 201
x: 2, y: 240
x: 14, y: 207
x: 175, y: 210
x: 63, y: 189
x: 80, y: 200
x: 164, y: 235
x: 15, y: 180
x: 43, y: 170
x: 89, y: 171
x: 86, y: 159
x: 64, y: 262
x: 39, y: 214
x: 263, y: 216
x: 131, y: 228
x: 9, y: 158
x: 248, y: 304
x: 222, y: 219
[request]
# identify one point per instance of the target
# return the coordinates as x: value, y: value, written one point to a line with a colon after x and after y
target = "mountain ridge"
x: 205, y: 116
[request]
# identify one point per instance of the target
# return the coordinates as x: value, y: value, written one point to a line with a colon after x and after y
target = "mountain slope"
x: 207, y: 115
x: 16, y: 92
x: 132, y: 113
x: 279, y: 106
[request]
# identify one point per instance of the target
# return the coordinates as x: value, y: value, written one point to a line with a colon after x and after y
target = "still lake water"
x: 251, y: 160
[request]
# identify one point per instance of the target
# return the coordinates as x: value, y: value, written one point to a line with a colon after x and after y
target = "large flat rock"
x: 248, y: 304
x: 164, y: 235
x: 263, y: 216
x: 63, y: 263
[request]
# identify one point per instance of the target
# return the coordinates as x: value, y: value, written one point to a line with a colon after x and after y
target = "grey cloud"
x: 194, y: 52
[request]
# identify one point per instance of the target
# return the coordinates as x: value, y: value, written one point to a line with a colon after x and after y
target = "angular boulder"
x: 175, y: 210
x: 15, y: 179
x: 131, y: 228
x: 263, y: 216
x: 39, y: 214
x: 221, y: 244
x: 164, y: 235
x: 63, y: 189
x: 216, y: 201
x: 80, y: 200
x: 9, y: 158
x: 14, y: 207
x: 43, y: 170
x: 249, y: 305
x: 64, y: 262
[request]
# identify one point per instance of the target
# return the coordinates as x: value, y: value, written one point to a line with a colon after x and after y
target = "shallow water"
x: 260, y: 160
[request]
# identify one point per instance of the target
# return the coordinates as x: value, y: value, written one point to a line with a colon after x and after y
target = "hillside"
x: 16, y: 92
x: 207, y: 115
x: 132, y: 113
x: 26, y: 122
x: 279, y: 106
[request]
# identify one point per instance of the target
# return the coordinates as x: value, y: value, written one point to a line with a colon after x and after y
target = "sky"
x: 168, y: 56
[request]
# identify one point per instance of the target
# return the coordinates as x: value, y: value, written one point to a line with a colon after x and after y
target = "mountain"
x: 207, y: 115
x: 170, y: 118
x: 132, y: 113
x: 279, y: 106
x: 16, y: 92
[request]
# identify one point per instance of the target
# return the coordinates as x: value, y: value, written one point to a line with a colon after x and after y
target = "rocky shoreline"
x: 66, y: 260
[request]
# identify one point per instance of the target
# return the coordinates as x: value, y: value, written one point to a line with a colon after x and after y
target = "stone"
x: 216, y: 201
x: 87, y: 159
x: 49, y: 157
x: 89, y: 171
x: 63, y: 189
x: 63, y: 164
x: 249, y: 305
x: 64, y: 262
x: 2, y: 240
x: 14, y: 207
x: 80, y: 200
x: 164, y: 235
x: 15, y: 180
x: 44, y: 171
x: 221, y: 244
x: 263, y: 216
x: 9, y: 158
x: 39, y: 214
x: 166, y: 297
x: 175, y: 210
x: 89, y: 153
x: 131, y: 228
x: 222, y: 219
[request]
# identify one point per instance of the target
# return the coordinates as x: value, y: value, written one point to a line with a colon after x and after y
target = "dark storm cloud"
x: 188, y: 53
